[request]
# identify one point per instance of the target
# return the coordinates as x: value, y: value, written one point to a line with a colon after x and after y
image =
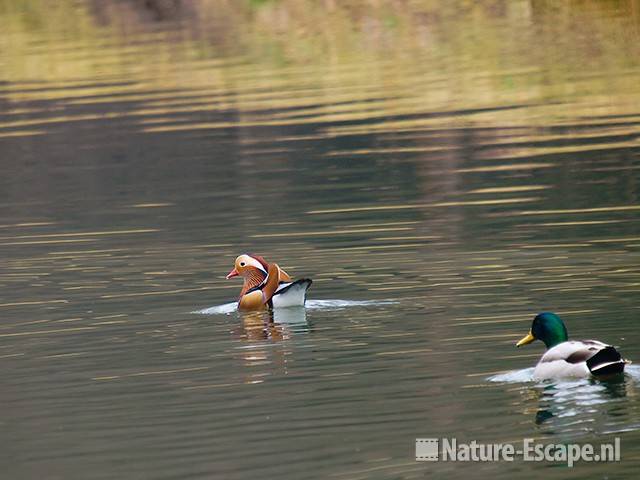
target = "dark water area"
x: 442, y: 172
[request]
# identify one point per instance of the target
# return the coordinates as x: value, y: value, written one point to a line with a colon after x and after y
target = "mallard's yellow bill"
x: 527, y: 339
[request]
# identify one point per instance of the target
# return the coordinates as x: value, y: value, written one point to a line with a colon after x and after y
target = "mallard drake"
x: 266, y: 285
x: 570, y: 358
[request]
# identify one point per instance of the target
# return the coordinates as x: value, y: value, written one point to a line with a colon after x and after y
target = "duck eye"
x: 242, y: 264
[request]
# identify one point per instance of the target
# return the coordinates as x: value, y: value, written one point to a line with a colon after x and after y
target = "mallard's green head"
x: 547, y: 327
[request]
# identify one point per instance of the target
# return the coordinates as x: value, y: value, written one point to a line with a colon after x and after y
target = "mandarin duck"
x: 570, y: 358
x: 266, y: 285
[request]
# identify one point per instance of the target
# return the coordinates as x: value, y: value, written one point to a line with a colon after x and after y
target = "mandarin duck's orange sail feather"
x: 284, y: 276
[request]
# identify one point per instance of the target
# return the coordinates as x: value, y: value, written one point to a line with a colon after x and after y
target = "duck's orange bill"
x: 232, y: 273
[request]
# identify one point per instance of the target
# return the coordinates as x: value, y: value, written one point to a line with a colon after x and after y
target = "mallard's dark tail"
x: 607, y: 361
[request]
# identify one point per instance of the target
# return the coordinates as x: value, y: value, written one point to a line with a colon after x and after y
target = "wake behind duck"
x: 330, y: 304
x: 526, y: 375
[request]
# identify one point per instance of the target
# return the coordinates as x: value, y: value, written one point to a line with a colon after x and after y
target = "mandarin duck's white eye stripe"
x: 246, y: 260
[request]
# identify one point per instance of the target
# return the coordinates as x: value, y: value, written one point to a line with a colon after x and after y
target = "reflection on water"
x: 278, y: 324
x: 445, y: 169
x: 561, y: 406
x: 577, y: 407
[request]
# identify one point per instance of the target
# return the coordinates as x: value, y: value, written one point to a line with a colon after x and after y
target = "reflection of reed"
x: 385, y: 39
